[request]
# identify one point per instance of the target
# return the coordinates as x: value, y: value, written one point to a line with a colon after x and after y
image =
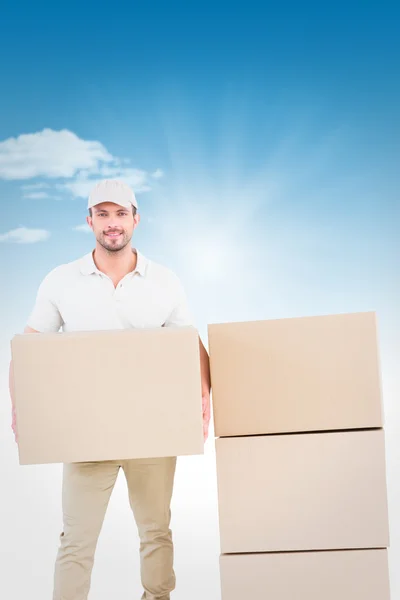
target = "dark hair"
x: 133, y: 211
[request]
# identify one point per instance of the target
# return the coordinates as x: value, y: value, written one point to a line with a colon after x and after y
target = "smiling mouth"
x: 113, y: 235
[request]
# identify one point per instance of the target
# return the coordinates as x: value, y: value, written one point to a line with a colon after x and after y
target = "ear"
x: 89, y: 222
x: 136, y: 220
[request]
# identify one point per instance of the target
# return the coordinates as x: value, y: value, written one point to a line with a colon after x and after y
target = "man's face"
x: 113, y: 225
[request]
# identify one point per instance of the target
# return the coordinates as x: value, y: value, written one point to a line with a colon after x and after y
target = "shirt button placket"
x: 117, y: 294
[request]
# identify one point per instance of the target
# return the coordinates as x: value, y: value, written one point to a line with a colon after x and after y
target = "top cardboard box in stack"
x: 104, y: 395
x: 303, y: 374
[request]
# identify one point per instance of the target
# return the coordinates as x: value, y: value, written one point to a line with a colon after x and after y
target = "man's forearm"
x: 205, y: 368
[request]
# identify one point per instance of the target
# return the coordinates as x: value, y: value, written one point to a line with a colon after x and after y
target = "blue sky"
x: 282, y: 121
x: 267, y: 134
x: 262, y: 141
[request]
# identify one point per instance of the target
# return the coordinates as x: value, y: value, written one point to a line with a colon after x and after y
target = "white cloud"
x: 49, y: 153
x: 75, y: 165
x: 35, y: 186
x: 62, y: 155
x: 25, y: 235
x: 83, y: 228
x: 37, y: 195
x: 82, y: 185
x: 37, y: 191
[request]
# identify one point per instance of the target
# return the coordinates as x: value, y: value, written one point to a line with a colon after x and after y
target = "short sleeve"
x: 45, y: 316
x: 180, y: 315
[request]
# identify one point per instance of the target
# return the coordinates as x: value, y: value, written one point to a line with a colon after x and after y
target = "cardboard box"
x: 104, y: 395
x: 338, y: 575
x: 312, y: 491
x: 299, y: 374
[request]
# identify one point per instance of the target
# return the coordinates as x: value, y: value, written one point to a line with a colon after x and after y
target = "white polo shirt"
x: 78, y: 297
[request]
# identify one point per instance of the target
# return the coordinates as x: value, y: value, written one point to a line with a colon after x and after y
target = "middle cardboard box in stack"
x: 300, y: 457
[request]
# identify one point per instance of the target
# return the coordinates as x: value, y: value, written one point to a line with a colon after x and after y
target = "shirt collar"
x: 88, y: 266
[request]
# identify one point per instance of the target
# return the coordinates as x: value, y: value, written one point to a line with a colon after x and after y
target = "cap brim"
x: 126, y: 205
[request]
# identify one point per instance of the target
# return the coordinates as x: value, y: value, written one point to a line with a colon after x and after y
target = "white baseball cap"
x: 112, y: 190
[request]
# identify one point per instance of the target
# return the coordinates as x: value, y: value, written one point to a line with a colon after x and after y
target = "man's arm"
x: 11, y: 386
x: 205, y: 368
x: 181, y: 316
x: 45, y: 317
x: 205, y: 387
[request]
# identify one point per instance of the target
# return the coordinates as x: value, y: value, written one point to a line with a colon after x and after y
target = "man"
x: 114, y: 287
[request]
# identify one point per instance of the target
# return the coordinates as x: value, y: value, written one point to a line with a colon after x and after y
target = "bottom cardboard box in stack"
x: 103, y: 395
x: 325, y: 575
x: 280, y: 495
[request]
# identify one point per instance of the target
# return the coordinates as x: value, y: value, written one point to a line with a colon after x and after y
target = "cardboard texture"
x: 339, y: 575
x: 90, y: 396
x: 302, y: 492
x: 298, y: 374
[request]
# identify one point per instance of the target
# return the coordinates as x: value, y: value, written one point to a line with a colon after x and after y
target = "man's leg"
x: 150, y: 484
x: 86, y: 492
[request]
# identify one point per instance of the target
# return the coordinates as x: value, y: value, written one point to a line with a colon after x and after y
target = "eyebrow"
x: 101, y: 210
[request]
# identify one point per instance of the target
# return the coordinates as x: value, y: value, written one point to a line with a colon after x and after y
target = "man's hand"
x: 205, y: 387
x: 206, y: 412
x: 14, y: 424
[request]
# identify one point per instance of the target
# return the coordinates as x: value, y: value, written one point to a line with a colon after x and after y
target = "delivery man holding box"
x: 114, y: 266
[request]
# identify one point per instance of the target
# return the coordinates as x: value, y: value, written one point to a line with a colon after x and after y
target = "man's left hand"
x: 206, y: 412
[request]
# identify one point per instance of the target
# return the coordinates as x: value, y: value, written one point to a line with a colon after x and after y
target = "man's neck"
x: 115, y: 263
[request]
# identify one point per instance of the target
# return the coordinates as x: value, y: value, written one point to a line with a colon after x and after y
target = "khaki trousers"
x: 86, y: 493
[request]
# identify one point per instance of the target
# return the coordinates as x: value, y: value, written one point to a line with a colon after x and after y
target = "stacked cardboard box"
x: 300, y: 456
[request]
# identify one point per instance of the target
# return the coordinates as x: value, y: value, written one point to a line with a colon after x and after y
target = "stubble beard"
x: 113, y: 246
